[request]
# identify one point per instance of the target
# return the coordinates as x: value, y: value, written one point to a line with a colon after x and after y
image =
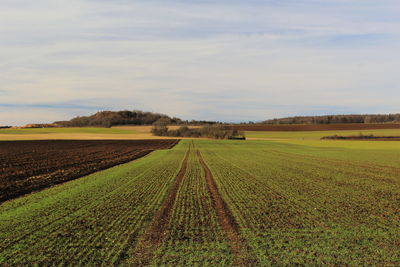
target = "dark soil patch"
x: 27, y: 166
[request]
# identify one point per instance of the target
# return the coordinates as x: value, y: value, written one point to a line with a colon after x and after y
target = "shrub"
x: 208, y: 131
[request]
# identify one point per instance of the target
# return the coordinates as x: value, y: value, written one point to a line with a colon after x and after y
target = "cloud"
x: 65, y: 106
x: 222, y: 60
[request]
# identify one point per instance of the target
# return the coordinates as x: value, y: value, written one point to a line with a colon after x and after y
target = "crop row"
x: 193, y: 236
x: 93, y: 220
x: 298, y: 208
x: 284, y: 204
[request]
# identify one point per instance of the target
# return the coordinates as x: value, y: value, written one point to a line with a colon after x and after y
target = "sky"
x: 224, y: 60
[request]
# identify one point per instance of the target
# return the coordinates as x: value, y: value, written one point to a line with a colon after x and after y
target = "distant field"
x: 219, y: 203
x: 71, y: 133
x: 314, y: 135
x: 86, y: 130
x: 68, y: 133
x: 317, y: 127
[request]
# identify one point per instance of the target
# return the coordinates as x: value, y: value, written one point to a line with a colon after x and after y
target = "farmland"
x: 316, y: 135
x: 83, y: 133
x: 71, y: 133
x: 32, y: 165
x: 316, y: 127
x: 224, y: 203
x: 299, y: 204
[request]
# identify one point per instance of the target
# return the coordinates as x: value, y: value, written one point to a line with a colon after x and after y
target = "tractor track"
x: 155, y: 233
x: 240, y: 249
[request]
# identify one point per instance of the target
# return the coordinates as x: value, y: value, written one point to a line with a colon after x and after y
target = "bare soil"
x: 28, y: 166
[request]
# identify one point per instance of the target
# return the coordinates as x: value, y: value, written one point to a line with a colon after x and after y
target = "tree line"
x: 126, y: 117
x: 209, y: 131
x: 335, y: 119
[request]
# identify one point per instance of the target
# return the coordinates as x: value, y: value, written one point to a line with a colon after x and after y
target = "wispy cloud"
x: 53, y: 106
x: 223, y: 60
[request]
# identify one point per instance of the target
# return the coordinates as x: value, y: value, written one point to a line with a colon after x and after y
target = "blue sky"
x: 216, y: 60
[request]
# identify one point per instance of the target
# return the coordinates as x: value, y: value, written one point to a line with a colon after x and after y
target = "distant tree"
x: 163, y: 121
x: 125, y: 117
x: 159, y: 130
x: 332, y: 119
x: 208, y: 131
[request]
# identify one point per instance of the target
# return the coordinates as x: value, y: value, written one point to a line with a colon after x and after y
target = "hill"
x: 111, y: 118
x: 126, y: 117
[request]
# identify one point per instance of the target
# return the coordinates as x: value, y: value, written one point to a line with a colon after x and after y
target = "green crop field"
x: 219, y: 203
x: 308, y: 205
x: 314, y: 135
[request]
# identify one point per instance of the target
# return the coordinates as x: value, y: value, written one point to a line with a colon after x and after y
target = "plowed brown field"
x: 28, y: 166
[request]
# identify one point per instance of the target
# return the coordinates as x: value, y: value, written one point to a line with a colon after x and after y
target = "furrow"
x: 240, y: 249
x: 153, y: 237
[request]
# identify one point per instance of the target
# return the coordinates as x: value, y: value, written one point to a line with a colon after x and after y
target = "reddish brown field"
x: 28, y: 166
x: 315, y: 127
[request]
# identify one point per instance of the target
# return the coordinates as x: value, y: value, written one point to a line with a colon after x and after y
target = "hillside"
x: 111, y: 118
x: 125, y: 117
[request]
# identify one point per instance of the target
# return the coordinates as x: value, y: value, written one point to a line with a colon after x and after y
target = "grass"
x: 311, y: 205
x: 89, y: 220
x: 296, y: 202
x: 193, y: 236
x: 342, y: 146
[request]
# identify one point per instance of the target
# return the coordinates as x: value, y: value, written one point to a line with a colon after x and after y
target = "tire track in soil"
x: 143, y: 253
x: 240, y: 249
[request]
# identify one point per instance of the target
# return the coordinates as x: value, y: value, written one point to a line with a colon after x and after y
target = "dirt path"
x: 240, y: 249
x: 155, y: 233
